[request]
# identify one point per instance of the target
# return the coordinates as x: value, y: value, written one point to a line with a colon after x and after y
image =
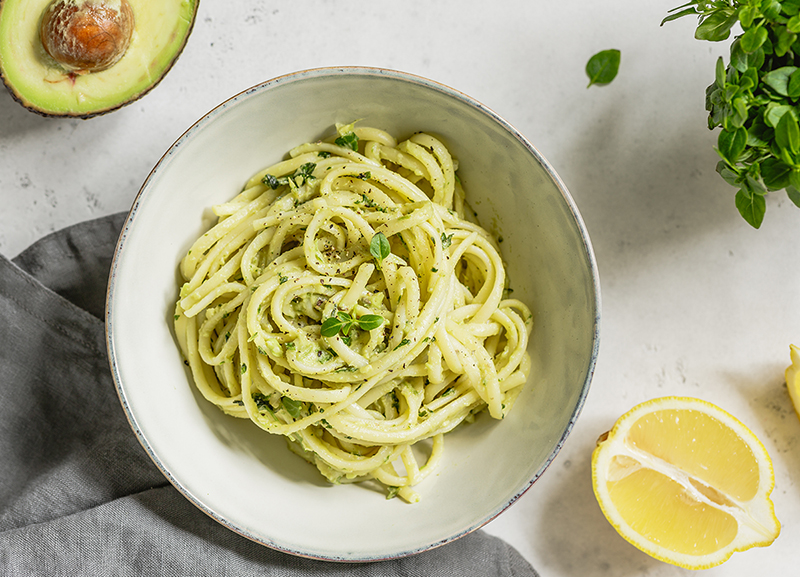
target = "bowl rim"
x: 362, y: 71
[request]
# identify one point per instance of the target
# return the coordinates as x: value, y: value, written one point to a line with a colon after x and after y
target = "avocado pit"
x: 86, y: 35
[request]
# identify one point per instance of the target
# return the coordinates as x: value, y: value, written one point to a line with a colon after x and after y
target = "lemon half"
x: 685, y: 482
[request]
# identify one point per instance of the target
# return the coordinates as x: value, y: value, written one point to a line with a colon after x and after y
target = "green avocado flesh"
x: 161, y: 28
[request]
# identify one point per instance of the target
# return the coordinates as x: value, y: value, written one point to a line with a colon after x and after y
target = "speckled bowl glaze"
x: 247, y: 479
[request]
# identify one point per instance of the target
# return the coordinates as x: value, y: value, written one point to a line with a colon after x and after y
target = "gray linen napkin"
x: 78, y: 494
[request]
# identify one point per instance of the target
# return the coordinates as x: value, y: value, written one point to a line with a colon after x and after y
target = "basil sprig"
x: 343, y: 322
x: 755, y: 98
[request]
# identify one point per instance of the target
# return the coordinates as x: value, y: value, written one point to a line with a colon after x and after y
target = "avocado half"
x: 160, y: 31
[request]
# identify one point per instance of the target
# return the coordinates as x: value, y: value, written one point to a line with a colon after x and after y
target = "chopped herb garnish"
x: 305, y: 171
x: 349, y: 140
x: 290, y: 346
x: 323, y: 356
x: 261, y: 401
x: 272, y: 182
x: 324, y: 154
x: 292, y: 406
x: 304, y: 174
x: 345, y: 369
x: 447, y: 240
x: 369, y: 203
x: 281, y: 278
x: 403, y: 343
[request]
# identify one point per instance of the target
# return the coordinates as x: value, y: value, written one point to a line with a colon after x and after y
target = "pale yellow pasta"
x: 344, y: 300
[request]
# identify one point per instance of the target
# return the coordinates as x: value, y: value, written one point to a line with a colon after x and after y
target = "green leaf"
x: 787, y: 133
x: 292, y: 406
x: 747, y: 82
x: 793, y: 86
x: 774, y: 112
x: 330, y: 327
x: 771, y: 9
x: 346, y: 320
x: 305, y: 171
x: 262, y: 402
x: 272, y: 181
x: 379, y: 248
x: 676, y: 15
x: 603, y: 67
x: 756, y: 59
x: 370, y: 322
x: 794, y: 195
x: 739, y: 58
x: 717, y: 26
x: 775, y: 173
x: 727, y: 173
x: 793, y: 24
x: 754, y: 185
x: 791, y: 7
x: 778, y: 79
x: 447, y: 239
x: 751, y: 206
x: 759, y: 134
x: 719, y: 73
x: 731, y: 144
x: 785, y: 41
x: 747, y: 15
x: 753, y: 39
x: 739, y: 112
x: 349, y: 140
x: 402, y: 343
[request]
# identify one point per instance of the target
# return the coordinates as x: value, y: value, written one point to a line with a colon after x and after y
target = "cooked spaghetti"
x: 344, y: 300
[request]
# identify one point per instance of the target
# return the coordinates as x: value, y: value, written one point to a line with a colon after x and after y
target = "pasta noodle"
x: 344, y: 300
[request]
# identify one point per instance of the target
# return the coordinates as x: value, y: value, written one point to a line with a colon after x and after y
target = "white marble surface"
x: 695, y: 302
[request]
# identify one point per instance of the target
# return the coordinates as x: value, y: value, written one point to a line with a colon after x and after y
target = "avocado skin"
x: 22, y: 100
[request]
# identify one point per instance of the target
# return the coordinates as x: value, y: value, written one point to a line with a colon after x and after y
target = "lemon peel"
x: 793, y: 378
x: 685, y: 482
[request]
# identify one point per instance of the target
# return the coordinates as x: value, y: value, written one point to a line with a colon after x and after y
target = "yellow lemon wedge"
x: 685, y: 482
x: 793, y: 378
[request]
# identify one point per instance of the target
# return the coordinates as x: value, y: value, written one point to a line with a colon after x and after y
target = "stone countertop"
x: 695, y: 301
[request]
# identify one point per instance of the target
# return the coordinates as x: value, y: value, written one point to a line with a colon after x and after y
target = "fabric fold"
x: 78, y: 494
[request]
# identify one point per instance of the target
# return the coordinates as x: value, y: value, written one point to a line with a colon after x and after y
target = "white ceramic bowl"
x: 247, y: 479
